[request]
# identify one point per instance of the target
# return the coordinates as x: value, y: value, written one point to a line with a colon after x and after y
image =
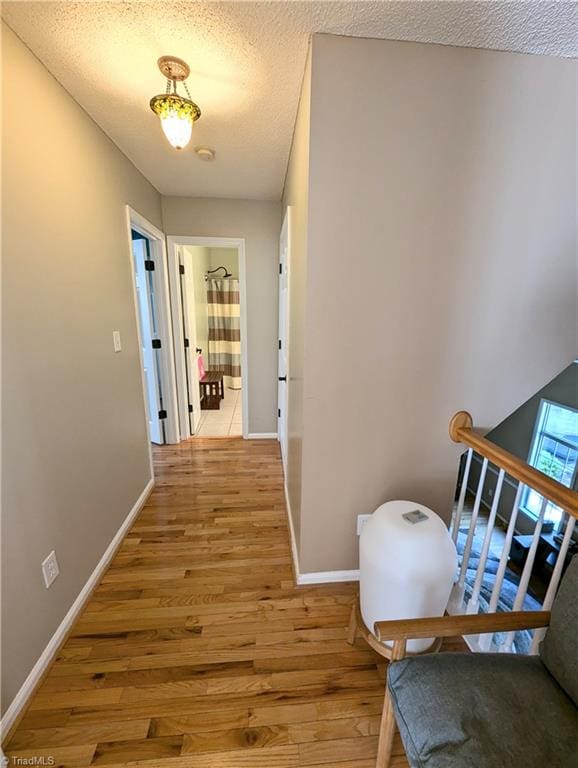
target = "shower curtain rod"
x: 211, y: 271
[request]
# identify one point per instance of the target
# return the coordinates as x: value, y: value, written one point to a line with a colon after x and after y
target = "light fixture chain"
x: 168, y: 85
x: 187, y: 90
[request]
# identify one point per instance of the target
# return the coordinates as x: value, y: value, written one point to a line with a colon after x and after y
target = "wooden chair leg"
x: 386, y: 733
x: 387, y: 727
x: 352, y: 631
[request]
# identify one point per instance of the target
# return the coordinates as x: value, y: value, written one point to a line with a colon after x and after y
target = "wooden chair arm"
x: 452, y: 626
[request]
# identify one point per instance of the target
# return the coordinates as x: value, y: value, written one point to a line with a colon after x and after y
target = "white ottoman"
x: 407, y: 563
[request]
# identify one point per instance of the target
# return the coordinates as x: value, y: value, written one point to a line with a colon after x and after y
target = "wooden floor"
x: 197, y: 649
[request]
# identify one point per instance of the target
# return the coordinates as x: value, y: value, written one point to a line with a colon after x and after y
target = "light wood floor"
x: 197, y: 649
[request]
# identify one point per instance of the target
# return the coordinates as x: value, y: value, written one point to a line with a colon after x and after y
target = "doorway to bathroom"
x: 207, y: 278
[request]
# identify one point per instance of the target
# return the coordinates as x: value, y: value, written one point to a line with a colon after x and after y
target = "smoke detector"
x: 205, y: 153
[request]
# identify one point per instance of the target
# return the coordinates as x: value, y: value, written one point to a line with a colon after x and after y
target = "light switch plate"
x: 361, y: 520
x: 50, y: 569
x: 116, y: 341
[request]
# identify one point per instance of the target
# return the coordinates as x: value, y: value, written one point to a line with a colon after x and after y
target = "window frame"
x: 538, y: 435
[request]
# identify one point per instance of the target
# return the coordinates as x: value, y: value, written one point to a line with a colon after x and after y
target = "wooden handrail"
x: 461, y: 431
x: 452, y: 626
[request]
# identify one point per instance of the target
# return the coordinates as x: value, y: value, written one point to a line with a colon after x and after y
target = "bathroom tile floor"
x: 227, y: 421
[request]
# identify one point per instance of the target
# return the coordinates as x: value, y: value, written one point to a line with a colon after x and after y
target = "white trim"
x: 140, y: 224
x: 261, y: 435
x: 327, y: 577
x: 294, y: 552
x: 53, y: 646
x: 178, y: 339
x: 284, y: 342
x: 239, y: 244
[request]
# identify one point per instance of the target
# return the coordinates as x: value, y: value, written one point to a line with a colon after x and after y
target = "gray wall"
x: 74, y: 446
x: 259, y: 222
x: 441, y: 266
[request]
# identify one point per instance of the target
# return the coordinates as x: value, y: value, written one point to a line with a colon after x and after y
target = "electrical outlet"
x: 116, y: 341
x: 50, y: 569
x: 361, y: 520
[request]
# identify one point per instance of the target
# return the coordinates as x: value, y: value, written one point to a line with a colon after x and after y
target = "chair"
x: 486, y: 710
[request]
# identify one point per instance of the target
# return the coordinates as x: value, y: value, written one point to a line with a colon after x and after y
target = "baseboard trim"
x: 20, y: 701
x: 294, y: 553
x: 321, y: 577
x: 262, y: 436
x: 327, y: 577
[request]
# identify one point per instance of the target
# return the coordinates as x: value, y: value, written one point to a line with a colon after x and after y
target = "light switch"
x: 116, y: 341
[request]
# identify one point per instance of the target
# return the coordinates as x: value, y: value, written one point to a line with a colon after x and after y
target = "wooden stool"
x: 212, y: 390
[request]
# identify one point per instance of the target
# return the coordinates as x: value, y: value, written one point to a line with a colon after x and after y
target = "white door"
x: 147, y: 333
x: 186, y: 274
x: 283, y: 363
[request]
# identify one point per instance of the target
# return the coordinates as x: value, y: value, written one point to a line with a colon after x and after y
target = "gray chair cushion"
x: 482, y: 710
x: 559, y: 650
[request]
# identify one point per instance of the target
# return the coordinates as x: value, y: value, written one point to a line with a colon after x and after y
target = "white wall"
x: 74, y: 445
x: 259, y: 223
x: 441, y: 266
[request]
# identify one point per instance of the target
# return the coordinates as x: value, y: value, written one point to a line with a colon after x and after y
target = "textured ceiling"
x: 247, y: 61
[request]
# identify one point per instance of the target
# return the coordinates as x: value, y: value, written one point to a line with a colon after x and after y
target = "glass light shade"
x: 177, y: 116
x: 177, y: 128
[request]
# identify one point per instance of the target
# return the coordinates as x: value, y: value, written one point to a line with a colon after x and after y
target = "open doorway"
x: 151, y: 296
x: 207, y: 277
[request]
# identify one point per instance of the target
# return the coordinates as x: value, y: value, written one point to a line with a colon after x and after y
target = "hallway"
x: 198, y: 650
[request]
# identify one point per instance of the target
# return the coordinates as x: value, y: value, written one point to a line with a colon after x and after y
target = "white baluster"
x: 474, y: 603
x: 554, y: 581
x: 457, y: 597
x: 486, y: 640
x: 526, y: 573
x: 464, y: 487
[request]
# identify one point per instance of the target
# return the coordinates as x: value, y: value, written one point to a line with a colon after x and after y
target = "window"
x: 554, y: 452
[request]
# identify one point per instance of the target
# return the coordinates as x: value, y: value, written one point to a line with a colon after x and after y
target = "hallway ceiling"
x: 247, y: 61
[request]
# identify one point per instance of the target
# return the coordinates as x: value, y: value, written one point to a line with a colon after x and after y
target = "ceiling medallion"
x: 177, y: 113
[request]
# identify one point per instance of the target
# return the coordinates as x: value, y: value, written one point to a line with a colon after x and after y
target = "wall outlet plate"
x: 361, y: 520
x: 50, y: 569
x: 116, y: 342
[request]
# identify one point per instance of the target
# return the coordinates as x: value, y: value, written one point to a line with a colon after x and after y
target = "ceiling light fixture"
x: 177, y: 113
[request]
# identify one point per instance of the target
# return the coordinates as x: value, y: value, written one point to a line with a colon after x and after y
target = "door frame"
x: 177, y: 313
x: 284, y: 274
x: 210, y: 242
x: 136, y: 221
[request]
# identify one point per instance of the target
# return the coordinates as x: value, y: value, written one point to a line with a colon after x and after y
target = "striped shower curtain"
x: 224, y: 330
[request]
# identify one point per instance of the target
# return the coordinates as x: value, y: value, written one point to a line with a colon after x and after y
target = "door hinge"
x: 162, y: 414
x: 190, y: 408
x: 279, y: 413
x: 181, y: 269
x: 149, y: 265
x: 186, y: 342
x: 156, y: 343
x: 279, y: 343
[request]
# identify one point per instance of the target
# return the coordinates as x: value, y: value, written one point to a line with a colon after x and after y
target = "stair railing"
x: 462, y: 431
